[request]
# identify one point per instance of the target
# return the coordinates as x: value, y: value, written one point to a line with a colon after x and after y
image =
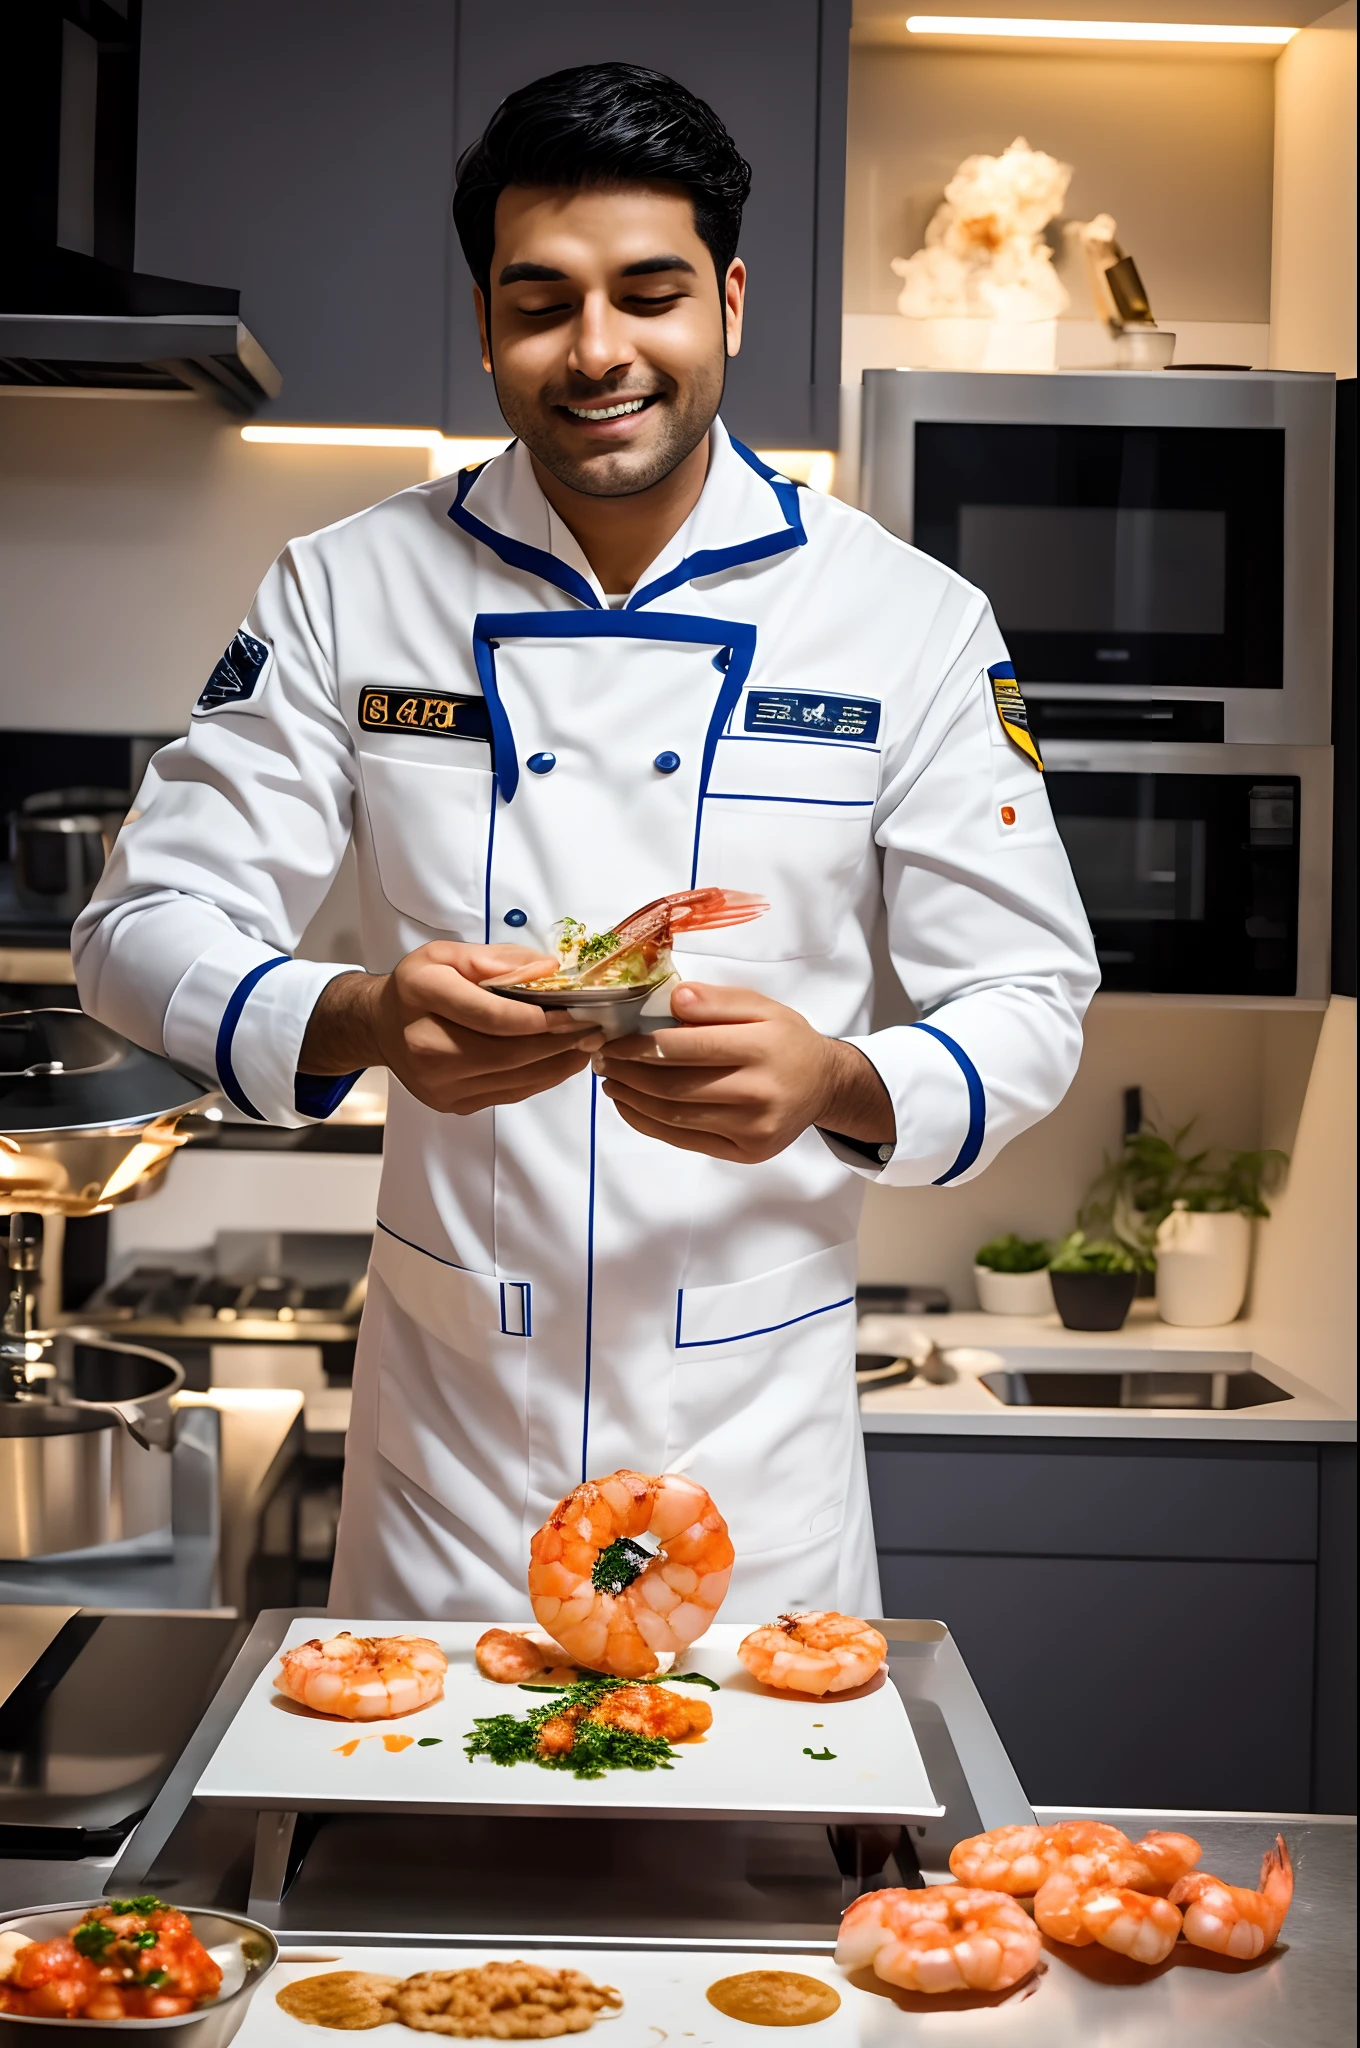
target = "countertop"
x: 967, y: 1408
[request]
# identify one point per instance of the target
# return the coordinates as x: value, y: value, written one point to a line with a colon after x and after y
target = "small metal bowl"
x: 246, y: 1951
x: 616, y: 1011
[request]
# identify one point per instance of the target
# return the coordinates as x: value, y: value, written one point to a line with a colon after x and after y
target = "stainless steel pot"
x: 246, y: 1951
x: 88, y: 1461
x: 59, y: 842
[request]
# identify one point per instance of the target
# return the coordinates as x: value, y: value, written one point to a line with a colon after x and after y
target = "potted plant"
x: 1189, y: 1213
x: 1094, y: 1281
x: 1011, y: 1274
x: 1204, y: 1241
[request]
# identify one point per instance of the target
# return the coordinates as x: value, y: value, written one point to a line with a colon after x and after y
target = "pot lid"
x: 62, y: 1072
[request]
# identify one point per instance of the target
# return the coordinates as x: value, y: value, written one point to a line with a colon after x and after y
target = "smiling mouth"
x: 618, y: 410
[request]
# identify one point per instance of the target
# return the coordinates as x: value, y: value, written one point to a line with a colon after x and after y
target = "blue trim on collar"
x: 517, y: 553
x: 490, y: 627
x: 977, y: 1106
x: 711, y: 561
x: 316, y: 1095
x: 226, y: 1032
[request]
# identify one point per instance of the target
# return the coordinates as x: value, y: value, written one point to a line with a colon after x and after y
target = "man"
x: 623, y: 659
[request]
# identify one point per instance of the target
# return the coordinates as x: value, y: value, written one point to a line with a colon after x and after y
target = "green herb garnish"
x: 428, y: 1741
x: 821, y: 1756
x: 92, y: 1938
x: 688, y: 1678
x: 155, y: 1978
x: 618, y: 1565
x: 596, y: 1749
x: 147, y: 1902
x: 146, y: 1939
x: 598, y: 947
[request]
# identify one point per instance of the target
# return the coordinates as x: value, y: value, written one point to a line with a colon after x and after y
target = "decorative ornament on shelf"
x: 983, y: 292
x: 1121, y: 300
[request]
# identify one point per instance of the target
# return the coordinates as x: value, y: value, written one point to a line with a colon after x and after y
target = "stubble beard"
x: 680, y: 426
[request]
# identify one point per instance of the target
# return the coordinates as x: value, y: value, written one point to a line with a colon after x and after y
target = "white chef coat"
x: 791, y: 701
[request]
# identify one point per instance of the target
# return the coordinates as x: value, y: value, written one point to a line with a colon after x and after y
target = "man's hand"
x: 745, y: 1079
x: 452, y: 1044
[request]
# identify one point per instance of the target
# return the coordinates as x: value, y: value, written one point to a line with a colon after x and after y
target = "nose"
x: 600, y: 347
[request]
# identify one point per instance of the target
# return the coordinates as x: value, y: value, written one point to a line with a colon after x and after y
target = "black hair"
x: 602, y: 124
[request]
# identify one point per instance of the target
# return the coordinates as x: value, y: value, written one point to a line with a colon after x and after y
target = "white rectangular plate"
x: 663, y: 1997
x: 752, y: 1761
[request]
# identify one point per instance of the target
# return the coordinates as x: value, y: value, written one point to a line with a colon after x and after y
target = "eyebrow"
x: 542, y: 273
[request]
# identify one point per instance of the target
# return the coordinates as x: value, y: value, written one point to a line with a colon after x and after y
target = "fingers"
x: 436, y: 1042
x: 447, y: 991
x: 728, y: 1045
x: 705, y: 1002
x: 712, y: 1143
x: 728, y: 1086
x: 548, y: 1073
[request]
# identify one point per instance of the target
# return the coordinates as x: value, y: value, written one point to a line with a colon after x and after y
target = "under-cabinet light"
x: 1095, y: 31
x: 815, y: 467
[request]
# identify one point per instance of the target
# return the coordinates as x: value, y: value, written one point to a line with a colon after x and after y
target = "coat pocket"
x: 470, y: 1312
x: 430, y: 826
x: 746, y: 1311
x: 793, y: 820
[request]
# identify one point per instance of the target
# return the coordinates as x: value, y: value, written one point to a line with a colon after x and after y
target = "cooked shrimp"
x: 651, y: 931
x: 1232, y: 1920
x: 1068, y: 1909
x: 1019, y: 1860
x: 947, y: 1937
x: 508, y: 1658
x: 611, y: 1604
x: 363, y: 1678
x: 813, y: 1653
x: 640, y: 1709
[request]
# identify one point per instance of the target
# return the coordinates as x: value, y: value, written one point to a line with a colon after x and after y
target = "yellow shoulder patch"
x: 1010, y: 709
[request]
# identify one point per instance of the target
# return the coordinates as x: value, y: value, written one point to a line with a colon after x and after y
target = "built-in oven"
x: 1204, y: 869
x: 1155, y: 536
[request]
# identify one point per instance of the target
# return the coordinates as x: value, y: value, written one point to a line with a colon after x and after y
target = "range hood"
x: 70, y: 322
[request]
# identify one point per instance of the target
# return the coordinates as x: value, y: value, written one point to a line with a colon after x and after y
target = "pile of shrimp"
x: 813, y: 1653
x: 1090, y: 1883
x: 607, y: 1602
x: 363, y: 1678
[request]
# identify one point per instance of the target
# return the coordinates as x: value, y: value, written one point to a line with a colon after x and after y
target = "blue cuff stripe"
x: 977, y: 1106
x: 226, y: 1031
x: 316, y: 1095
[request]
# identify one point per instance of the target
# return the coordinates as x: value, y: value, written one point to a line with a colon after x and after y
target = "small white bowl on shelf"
x: 1013, y: 1294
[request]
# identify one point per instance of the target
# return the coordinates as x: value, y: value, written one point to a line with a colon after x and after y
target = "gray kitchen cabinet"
x: 303, y: 152
x: 1151, y: 1624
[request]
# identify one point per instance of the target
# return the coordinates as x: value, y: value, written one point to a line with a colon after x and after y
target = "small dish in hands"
x: 211, y: 1968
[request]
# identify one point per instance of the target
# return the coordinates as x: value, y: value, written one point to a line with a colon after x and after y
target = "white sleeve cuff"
x: 938, y: 1106
x: 239, y: 1017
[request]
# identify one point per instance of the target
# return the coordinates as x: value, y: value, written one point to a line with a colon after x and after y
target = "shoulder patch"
x: 1010, y: 709
x: 237, y: 674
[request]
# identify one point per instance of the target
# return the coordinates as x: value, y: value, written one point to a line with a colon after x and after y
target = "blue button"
x: 667, y: 763
x: 517, y: 917
x: 542, y: 764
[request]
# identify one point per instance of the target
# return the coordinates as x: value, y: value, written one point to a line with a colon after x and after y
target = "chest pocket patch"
x: 437, y: 712
x: 237, y: 675
x: 792, y: 819
x: 813, y: 716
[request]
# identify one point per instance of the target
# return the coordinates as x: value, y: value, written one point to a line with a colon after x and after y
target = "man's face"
x: 606, y: 332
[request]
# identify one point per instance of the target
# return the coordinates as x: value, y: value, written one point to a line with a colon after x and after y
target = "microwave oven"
x: 1157, y: 546
x: 1204, y: 869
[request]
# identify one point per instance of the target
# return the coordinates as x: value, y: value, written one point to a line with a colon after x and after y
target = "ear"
x: 734, y: 303
x: 482, y: 326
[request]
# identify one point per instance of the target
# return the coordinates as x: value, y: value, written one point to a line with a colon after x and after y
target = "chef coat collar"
x: 746, y: 512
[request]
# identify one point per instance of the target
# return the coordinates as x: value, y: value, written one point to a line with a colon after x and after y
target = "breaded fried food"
x: 503, y: 2001
x: 351, y: 1999
x: 638, y: 1709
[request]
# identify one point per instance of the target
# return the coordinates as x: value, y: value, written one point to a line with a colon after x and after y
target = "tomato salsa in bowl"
x: 131, y: 1963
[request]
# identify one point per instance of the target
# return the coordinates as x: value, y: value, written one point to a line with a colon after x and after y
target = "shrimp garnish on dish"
x: 947, y: 1937
x: 1230, y: 1919
x: 509, y: 1658
x: 639, y: 1709
x: 1132, y: 1923
x: 1019, y: 1860
x: 644, y: 939
x: 363, y: 1678
x: 613, y: 1605
x: 813, y: 1653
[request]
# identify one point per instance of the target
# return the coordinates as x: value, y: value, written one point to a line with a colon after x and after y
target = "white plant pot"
x: 1202, y: 1267
x: 1013, y: 1294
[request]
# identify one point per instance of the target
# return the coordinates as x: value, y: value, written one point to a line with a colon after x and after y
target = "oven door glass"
x: 1135, y: 555
x: 1191, y: 882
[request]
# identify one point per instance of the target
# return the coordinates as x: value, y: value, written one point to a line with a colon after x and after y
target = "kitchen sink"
x: 1130, y: 1379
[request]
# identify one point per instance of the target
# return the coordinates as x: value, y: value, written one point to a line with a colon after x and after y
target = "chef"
x: 624, y: 658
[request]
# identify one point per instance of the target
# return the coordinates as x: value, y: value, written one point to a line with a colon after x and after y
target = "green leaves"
x: 1078, y: 1254
x: 1012, y: 1254
x: 821, y: 1756
x: 595, y: 1749
x: 619, y: 1564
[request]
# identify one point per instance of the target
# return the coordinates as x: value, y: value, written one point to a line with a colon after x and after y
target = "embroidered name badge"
x: 437, y: 712
x: 1010, y: 709
x: 236, y: 675
x: 823, y: 718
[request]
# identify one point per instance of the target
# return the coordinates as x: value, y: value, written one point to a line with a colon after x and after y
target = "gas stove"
x: 247, y: 1287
